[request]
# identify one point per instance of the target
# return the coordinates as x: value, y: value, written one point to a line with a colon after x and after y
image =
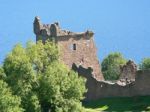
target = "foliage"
x: 145, y: 64
x: 42, y: 55
x: 111, y: 66
x: 2, y: 74
x: 20, y: 75
x: 35, y: 75
x: 8, y: 102
x: 61, y: 89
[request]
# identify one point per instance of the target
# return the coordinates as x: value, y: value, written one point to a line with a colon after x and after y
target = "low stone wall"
x: 101, y: 89
x: 142, y: 83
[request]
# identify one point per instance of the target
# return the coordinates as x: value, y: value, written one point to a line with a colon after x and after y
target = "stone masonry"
x: 75, y: 48
x: 128, y: 72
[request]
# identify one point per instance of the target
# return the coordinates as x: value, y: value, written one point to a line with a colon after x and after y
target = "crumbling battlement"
x: 75, y: 48
x: 100, y: 89
x: 54, y: 30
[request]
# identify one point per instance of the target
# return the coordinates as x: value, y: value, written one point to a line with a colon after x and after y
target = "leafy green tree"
x: 8, y: 102
x: 145, y: 64
x: 43, y: 83
x: 60, y: 89
x: 21, y: 76
x: 111, y: 66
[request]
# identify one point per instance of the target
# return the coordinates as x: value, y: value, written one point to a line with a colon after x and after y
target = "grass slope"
x: 134, y: 104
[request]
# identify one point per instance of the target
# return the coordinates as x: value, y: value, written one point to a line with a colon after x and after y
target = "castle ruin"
x: 78, y: 52
x: 75, y: 48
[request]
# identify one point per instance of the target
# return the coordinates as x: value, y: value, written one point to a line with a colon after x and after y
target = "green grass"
x: 134, y: 104
x: 96, y: 109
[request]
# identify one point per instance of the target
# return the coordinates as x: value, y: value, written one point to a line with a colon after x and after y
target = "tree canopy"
x: 111, y: 65
x: 42, y: 83
x: 145, y: 64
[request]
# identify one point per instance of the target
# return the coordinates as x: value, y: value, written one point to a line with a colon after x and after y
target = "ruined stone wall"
x: 128, y: 71
x: 142, y: 83
x: 84, y: 54
x: 101, y: 89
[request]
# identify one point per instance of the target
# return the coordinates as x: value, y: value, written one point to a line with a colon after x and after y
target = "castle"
x: 75, y: 48
x: 78, y: 52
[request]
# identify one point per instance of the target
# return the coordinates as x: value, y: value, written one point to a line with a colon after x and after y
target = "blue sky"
x: 119, y: 25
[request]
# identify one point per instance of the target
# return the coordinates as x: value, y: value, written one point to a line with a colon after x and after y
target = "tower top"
x: 54, y: 30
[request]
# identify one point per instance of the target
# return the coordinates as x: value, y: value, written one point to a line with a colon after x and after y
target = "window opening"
x: 74, y: 47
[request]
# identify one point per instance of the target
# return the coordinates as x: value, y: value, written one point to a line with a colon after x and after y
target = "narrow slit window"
x: 74, y: 47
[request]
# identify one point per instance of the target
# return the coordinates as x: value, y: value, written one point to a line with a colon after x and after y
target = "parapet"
x: 54, y: 30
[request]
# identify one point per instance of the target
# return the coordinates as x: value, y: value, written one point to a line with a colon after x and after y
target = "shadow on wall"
x: 103, y: 89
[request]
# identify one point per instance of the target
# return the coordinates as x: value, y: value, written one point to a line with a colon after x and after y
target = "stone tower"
x: 75, y: 48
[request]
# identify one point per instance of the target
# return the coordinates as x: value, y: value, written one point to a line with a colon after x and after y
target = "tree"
x: 8, y: 102
x: 145, y: 64
x: 111, y: 66
x: 60, y: 89
x: 21, y: 76
x: 36, y: 75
